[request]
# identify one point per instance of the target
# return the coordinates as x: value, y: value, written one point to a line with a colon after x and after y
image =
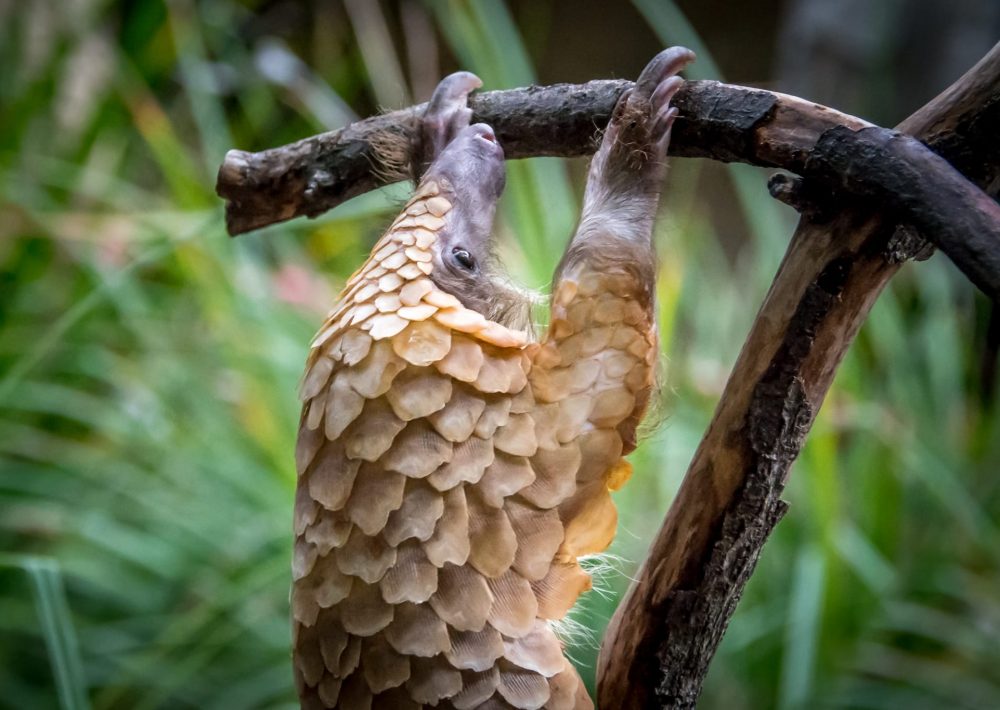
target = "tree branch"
x: 729, y: 123
x: 719, y: 121
x: 658, y: 647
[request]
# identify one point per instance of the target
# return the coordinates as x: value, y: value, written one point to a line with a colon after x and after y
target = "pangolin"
x: 452, y: 469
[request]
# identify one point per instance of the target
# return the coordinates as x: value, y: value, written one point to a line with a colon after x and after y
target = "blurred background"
x: 148, y: 363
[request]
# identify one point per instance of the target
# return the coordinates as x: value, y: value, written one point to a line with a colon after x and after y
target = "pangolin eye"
x: 463, y: 258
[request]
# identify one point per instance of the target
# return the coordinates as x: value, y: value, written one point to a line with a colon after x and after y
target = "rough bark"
x: 932, y: 196
x: 719, y: 121
x: 658, y: 647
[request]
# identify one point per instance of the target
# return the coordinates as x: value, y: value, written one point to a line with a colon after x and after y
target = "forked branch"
x: 659, y: 644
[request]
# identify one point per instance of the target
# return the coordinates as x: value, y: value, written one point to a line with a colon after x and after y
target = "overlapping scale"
x: 309, y: 665
x: 566, y: 691
x: 417, y: 631
x: 329, y: 690
x: 539, y: 651
x: 383, y: 666
x: 304, y: 557
x: 418, y: 393
x: 432, y: 680
x: 328, y: 532
x: 514, y: 605
x: 423, y: 342
x: 464, y: 361
x: 559, y: 589
x: 492, y: 543
x: 412, y: 579
x: 539, y: 535
x: 477, y: 688
x: 522, y: 688
x: 331, y: 638
x: 364, y: 556
x: 341, y: 407
x: 305, y: 510
x: 475, y: 650
x: 330, y: 477
x: 551, y: 486
x: 495, y: 415
x: 504, y: 477
x: 372, y: 377
x: 417, y: 517
x: 326, y: 584
x: 306, y: 445
x: 457, y: 420
x: 469, y: 461
x: 316, y: 377
x: 418, y: 452
x: 350, y: 657
x: 463, y: 599
x: 450, y: 542
x: 372, y: 434
x: 376, y: 494
x: 364, y: 611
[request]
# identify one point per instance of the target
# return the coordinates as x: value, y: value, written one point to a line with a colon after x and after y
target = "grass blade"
x: 57, y: 628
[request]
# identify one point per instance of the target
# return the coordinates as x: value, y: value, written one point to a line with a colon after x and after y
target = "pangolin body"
x: 451, y: 473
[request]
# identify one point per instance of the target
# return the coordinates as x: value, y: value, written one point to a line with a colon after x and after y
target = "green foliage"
x: 148, y: 367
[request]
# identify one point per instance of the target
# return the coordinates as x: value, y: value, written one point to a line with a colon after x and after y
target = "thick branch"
x: 729, y: 123
x: 663, y: 636
x: 719, y: 121
x: 936, y: 199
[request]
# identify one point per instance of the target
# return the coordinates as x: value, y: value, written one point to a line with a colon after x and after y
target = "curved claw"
x: 663, y: 113
x: 638, y: 134
x: 663, y: 65
x: 447, y: 112
x: 665, y: 91
x: 452, y: 92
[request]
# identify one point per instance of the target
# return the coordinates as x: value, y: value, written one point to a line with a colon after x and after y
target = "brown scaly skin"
x: 451, y: 472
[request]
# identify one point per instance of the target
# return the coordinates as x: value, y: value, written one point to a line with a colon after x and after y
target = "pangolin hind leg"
x: 594, y: 373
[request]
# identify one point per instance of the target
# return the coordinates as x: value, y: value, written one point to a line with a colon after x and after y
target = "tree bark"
x: 719, y: 121
x: 311, y: 176
x: 658, y: 647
